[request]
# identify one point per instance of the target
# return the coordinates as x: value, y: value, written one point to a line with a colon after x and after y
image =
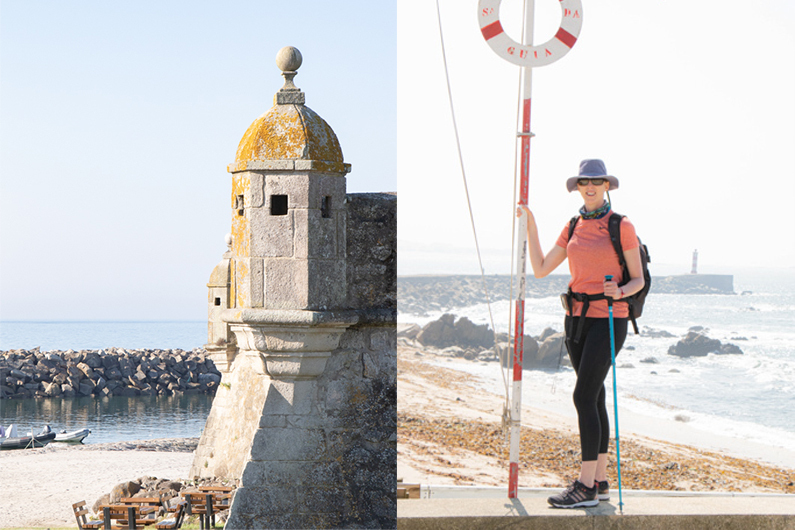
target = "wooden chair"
x: 175, y: 522
x: 80, y: 510
x: 200, y: 504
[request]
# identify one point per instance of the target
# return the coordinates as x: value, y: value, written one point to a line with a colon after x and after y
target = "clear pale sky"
x: 690, y: 104
x: 117, y: 122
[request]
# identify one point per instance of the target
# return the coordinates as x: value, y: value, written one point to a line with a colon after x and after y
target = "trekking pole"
x: 615, y: 397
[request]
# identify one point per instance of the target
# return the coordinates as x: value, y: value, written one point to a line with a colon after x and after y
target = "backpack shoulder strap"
x: 614, y: 229
x: 572, y: 224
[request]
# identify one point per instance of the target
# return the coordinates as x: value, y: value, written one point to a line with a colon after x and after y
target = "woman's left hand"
x: 611, y: 290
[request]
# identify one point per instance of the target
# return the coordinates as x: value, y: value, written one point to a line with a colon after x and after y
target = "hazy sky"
x: 117, y: 122
x: 690, y: 105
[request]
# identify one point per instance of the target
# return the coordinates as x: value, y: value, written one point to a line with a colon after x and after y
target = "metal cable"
x: 466, y: 191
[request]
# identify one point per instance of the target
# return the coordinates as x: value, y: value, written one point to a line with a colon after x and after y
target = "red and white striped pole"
x: 527, y: 56
x: 521, y: 265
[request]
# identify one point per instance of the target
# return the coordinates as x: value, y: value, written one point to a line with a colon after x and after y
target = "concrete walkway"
x: 443, y: 508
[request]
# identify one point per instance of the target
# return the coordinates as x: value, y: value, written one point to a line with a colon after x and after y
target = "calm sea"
x: 95, y: 335
x: 113, y: 419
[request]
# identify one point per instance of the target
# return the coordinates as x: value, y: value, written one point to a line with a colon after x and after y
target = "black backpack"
x: 635, y: 301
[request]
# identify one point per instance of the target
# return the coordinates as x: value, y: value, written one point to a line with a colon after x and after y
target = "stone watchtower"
x: 302, y: 327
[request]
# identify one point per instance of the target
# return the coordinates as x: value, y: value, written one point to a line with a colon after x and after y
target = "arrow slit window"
x: 325, y: 207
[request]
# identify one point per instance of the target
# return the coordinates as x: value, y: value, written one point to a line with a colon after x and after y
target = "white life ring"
x: 523, y: 55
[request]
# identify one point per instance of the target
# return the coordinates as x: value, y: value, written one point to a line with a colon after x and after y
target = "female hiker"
x: 591, y: 257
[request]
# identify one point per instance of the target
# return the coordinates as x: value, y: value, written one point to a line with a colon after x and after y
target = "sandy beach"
x: 450, y: 433
x: 39, y: 486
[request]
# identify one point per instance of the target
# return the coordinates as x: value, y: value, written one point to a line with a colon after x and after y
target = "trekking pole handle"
x: 608, y: 278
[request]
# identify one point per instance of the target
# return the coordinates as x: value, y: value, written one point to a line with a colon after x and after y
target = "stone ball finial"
x: 228, y: 240
x: 289, y: 59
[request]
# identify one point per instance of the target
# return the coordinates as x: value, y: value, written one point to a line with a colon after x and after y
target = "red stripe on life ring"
x: 492, y: 30
x: 565, y: 37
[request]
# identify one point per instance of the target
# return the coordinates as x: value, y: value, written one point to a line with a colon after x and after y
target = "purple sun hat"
x: 592, y: 168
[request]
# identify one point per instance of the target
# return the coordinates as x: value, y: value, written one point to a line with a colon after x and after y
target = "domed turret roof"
x: 289, y: 132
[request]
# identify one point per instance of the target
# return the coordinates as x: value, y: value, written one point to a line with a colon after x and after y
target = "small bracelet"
x: 620, y: 290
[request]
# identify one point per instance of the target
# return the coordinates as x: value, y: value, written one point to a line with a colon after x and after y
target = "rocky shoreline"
x: 449, y: 337
x: 106, y: 373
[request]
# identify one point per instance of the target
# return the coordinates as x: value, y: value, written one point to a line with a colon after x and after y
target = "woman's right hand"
x: 522, y: 209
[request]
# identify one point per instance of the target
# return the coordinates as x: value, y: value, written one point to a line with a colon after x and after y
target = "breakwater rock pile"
x: 420, y: 295
x: 106, y: 373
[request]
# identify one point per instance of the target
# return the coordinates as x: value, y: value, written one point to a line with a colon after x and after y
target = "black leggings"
x: 590, y: 358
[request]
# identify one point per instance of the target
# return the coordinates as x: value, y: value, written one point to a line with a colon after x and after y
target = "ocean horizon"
x: 64, y: 335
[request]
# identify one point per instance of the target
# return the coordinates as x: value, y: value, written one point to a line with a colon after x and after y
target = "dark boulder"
x: 694, y: 345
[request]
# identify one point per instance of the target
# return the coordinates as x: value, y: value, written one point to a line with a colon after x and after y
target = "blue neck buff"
x: 596, y: 214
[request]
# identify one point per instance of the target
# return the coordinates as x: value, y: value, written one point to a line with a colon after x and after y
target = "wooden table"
x: 127, y: 516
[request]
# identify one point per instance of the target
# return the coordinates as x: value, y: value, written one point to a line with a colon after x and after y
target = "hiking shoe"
x: 575, y: 496
x: 603, y: 490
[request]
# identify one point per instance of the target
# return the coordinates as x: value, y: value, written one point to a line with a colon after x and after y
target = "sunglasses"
x: 595, y: 182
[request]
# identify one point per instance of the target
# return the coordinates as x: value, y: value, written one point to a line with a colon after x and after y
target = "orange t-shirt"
x: 592, y: 257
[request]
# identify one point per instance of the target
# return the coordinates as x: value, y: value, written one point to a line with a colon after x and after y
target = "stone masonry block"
x: 267, y: 422
x: 315, y: 236
x: 342, y: 235
x: 295, y: 186
x: 311, y: 421
x: 334, y: 187
x: 257, y: 282
x: 256, y: 190
x: 271, y: 235
x: 383, y: 339
x: 301, y: 236
x: 267, y: 474
x: 270, y: 165
x: 243, y: 281
x: 274, y: 444
x: 327, y: 284
x: 289, y: 499
x: 338, y: 395
x: 303, y: 165
x: 290, y: 397
x: 240, y: 521
x: 241, y: 182
x: 285, y: 284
